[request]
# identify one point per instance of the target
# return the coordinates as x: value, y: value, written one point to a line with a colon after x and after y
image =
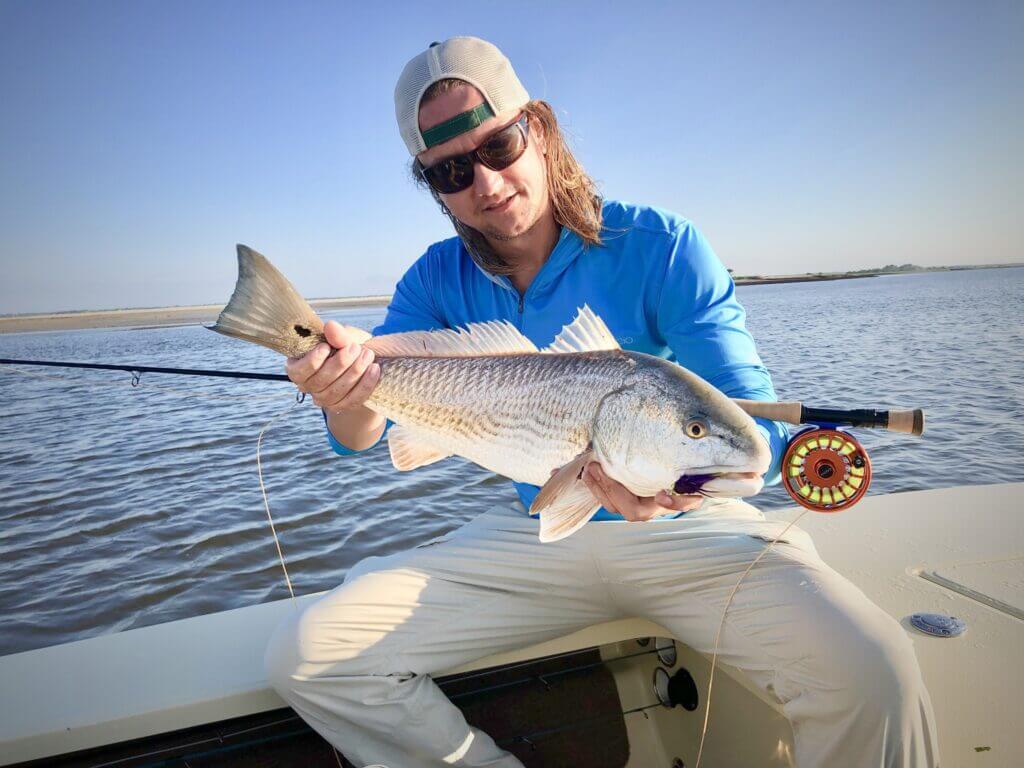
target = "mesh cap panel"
x: 466, y: 58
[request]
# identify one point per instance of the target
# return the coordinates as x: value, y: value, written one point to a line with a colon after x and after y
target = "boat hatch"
x: 996, y: 583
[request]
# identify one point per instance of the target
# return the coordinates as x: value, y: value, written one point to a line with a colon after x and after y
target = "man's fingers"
x: 335, y: 334
x: 362, y: 390
x: 333, y: 394
x: 626, y: 502
x: 591, y: 479
x: 682, y: 502
x: 333, y: 370
x: 625, y: 499
x: 338, y: 391
x: 615, y: 497
x: 299, y: 369
x: 339, y: 335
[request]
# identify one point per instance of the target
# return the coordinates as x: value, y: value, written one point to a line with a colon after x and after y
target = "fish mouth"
x: 729, y: 484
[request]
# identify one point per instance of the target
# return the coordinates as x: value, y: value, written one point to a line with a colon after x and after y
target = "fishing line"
x: 266, y: 501
x: 205, y: 395
x: 721, y: 625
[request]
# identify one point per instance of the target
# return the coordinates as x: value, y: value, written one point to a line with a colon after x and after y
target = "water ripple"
x: 125, y: 507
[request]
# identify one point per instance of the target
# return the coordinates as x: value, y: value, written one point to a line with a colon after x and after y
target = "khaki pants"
x: 356, y: 663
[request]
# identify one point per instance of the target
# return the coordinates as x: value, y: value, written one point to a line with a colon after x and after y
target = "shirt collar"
x: 568, y: 247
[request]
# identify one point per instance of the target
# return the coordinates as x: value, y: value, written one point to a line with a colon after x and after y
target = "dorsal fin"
x: 587, y: 333
x: 495, y: 337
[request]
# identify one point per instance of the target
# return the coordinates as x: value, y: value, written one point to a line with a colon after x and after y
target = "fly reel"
x: 826, y: 470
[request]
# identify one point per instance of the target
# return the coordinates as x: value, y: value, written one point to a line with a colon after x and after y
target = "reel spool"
x: 826, y: 470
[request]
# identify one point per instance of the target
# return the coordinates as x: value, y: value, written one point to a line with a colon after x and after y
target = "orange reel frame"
x: 826, y: 470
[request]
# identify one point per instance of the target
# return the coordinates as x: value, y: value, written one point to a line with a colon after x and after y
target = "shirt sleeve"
x: 703, y: 324
x: 412, y: 308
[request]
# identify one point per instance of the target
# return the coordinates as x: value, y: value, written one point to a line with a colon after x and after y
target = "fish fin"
x: 495, y: 337
x: 565, y: 503
x: 586, y: 333
x: 410, y: 450
x: 267, y: 310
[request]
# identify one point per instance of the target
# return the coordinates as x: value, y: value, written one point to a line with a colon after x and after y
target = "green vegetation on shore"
x: 888, y: 269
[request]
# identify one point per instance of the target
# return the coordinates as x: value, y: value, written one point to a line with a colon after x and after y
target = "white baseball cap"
x: 471, y: 59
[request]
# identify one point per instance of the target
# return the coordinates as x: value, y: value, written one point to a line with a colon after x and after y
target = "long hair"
x: 574, y: 199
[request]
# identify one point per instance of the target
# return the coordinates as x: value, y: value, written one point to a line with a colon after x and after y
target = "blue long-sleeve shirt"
x: 655, y: 281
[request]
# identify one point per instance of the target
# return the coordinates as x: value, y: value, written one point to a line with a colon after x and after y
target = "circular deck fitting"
x: 938, y: 624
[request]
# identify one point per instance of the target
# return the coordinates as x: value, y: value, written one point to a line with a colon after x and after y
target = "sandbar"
x: 155, y: 316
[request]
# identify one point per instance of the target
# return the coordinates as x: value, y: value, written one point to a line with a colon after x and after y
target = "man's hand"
x: 615, y: 497
x: 341, y: 381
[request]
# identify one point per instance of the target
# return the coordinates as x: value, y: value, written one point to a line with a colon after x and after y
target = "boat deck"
x: 958, y: 551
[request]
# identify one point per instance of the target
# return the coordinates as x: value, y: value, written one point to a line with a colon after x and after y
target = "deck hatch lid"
x: 996, y: 583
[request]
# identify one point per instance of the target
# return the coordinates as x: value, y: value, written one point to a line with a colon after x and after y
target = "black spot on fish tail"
x: 302, y: 331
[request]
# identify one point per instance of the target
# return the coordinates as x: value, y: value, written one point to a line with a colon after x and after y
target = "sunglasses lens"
x: 449, y: 176
x: 497, y: 153
x: 503, y: 148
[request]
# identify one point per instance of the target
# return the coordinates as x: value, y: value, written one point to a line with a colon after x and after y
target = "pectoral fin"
x: 565, y: 503
x: 410, y: 450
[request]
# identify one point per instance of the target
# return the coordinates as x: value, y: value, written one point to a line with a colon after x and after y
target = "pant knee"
x: 317, y: 642
x: 281, y: 658
x: 902, y: 686
x: 882, y: 676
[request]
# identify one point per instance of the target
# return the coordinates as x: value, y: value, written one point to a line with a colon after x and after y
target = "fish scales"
x: 518, y: 415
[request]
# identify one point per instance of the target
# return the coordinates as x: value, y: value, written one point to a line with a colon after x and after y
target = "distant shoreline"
x: 155, y: 317
x: 159, y: 317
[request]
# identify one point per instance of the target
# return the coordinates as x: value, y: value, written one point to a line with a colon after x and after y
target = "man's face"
x: 503, y: 205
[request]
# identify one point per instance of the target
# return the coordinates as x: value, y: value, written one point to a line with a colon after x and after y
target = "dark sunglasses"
x: 497, y: 152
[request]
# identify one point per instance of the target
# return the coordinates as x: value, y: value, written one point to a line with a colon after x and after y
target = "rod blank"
x: 907, y: 421
x: 152, y: 369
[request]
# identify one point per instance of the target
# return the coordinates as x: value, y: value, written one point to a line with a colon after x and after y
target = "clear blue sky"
x: 139, y: 141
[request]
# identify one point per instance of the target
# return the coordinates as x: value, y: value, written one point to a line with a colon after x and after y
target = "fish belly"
x: 517, y: 415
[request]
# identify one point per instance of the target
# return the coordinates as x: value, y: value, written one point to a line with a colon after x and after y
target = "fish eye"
x: 696, y: 428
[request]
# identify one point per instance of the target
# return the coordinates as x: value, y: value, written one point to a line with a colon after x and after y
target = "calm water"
x: 125, y: 507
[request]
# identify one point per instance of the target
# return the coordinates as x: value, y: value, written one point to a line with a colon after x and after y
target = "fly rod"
x: 136, y: 369
x: 907, y: 421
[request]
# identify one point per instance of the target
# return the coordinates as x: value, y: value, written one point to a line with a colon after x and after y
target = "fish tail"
x: 266, y: 309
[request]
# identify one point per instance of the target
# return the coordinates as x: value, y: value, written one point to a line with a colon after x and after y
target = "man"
x: 534, y: 243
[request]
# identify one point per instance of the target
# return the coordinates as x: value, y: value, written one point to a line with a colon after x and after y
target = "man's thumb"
x: 335, y: 334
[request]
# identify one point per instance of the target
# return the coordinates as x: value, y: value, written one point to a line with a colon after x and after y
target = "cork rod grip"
x: 910, y: 422
x: 791, y: 413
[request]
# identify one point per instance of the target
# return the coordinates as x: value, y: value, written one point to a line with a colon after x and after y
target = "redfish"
x: 488, y: 394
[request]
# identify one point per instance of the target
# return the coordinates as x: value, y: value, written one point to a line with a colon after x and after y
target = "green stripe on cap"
x: 459, y: 124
